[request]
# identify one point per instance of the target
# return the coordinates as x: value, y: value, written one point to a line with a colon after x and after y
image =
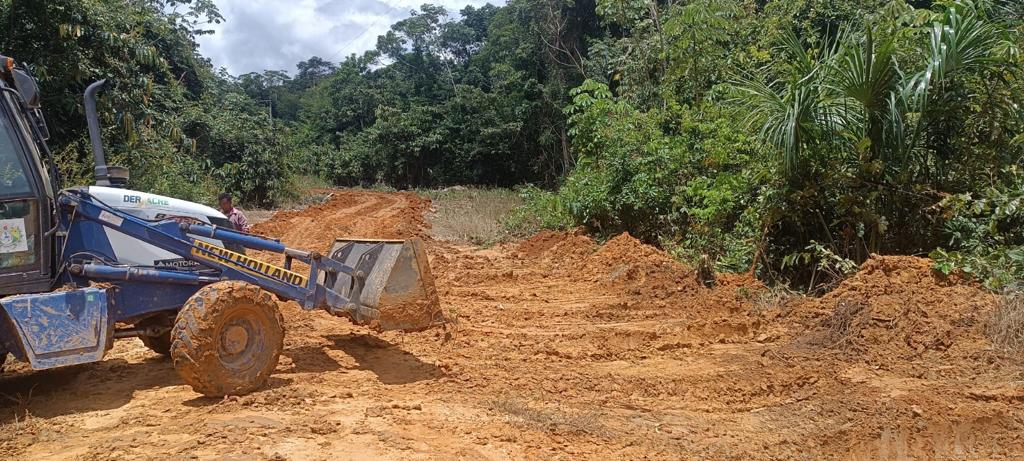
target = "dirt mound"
x: 897, y: 307
x: 623, y: 258
x: 652, y: 277
x: 625, y: 249
x: 568, y: 246
x: 621, y: 261
x: 350, y: 213
x: 626, y: 258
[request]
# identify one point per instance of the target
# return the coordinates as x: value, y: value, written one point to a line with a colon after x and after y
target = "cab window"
x: 13, y: 180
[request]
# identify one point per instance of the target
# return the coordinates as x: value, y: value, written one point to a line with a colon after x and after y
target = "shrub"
x: 244, y: 153
x: 986, y: 233
x: 689, y: 179
x: 540, y: 209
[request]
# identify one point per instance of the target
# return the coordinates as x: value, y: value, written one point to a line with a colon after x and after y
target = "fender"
x: 61, y: 328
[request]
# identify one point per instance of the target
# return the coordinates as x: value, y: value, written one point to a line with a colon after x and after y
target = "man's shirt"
x: 237, y: 219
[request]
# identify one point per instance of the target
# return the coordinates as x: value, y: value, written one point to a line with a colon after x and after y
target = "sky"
x: 276, y: 34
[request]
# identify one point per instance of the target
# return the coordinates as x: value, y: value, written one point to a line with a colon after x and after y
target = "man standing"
x: 234, y: 215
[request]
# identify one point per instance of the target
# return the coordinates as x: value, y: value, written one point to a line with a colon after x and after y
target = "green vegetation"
x: 986, y: 231
x: 821, y: 135
x: 793, y: 136
x: 181, y: 128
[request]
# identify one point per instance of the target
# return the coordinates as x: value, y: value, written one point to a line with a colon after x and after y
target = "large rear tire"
x: 227, y: 339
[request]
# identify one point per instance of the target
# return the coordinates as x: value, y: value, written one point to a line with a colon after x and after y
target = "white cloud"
x: 276, y: 34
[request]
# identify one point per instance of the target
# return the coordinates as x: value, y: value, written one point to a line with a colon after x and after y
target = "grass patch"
x: 1007, y: 325
x: 303, y: 190
x: 777, y: 297
x: 471, y: 215
x: 553, y: 421
x: 540, y: 210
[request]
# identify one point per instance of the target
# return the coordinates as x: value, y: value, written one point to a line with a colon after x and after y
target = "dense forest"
x: 793, y: 138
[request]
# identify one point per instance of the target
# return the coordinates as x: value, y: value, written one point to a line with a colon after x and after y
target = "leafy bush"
x: 986, y: 233
x: 625, y: 176
x: 726, y: 189
x: 541, y: 209
x: 689, y: 179
x: 159, y: 167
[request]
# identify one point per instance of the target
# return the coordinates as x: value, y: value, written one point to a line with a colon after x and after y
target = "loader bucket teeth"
x: 399, y: 288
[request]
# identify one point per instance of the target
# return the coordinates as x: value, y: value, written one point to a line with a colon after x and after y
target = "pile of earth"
x: 645, y: 274
x: 350, y: 214
x: 560, y: 249
x: 897, y: 308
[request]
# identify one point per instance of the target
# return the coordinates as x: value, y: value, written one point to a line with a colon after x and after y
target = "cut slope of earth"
x: 565, y: 349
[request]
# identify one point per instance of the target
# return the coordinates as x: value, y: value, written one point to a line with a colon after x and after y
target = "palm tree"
x: 853, y: 93
x: 793, y: 111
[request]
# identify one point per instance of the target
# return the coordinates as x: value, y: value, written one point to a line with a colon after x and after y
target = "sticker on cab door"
x: 12, y: 236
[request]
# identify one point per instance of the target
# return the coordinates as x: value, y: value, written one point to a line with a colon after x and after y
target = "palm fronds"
x: 853, y: 92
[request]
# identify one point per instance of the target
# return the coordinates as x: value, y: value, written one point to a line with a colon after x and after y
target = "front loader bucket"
x: 399, y: 285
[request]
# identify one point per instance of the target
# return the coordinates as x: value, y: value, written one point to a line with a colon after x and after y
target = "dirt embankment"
x: 350, y: 213
x: 567, y: 349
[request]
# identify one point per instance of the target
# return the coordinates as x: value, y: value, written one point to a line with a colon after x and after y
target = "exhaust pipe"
x: 111, y: 176
x: 93, y: 119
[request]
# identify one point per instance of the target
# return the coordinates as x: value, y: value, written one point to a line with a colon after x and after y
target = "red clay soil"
x: 353, y: 214
x: 897, y: 308
x: 566, y: 349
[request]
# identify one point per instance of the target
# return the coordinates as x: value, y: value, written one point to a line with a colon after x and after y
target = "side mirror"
x: 26, y: 86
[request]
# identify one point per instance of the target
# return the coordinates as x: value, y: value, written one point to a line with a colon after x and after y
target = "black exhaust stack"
x: 105, y: 176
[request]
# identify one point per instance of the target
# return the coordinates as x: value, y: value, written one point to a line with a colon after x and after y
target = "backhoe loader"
x: 83, y: 266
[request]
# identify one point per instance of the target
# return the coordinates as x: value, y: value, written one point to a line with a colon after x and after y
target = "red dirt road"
x: 565, y: 349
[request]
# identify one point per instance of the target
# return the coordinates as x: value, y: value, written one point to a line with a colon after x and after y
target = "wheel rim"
x: 236, y: 337
x: 241, y: 340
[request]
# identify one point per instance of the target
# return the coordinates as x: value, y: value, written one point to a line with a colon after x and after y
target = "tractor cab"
x: 26, y: 186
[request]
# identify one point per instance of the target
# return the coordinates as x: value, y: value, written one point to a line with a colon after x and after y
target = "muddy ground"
x: 565, y: 349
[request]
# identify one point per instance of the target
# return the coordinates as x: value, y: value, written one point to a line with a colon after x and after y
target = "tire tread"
x: 195, y: 344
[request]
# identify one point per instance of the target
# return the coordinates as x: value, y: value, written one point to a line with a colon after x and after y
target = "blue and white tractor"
x: 83, y: 266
